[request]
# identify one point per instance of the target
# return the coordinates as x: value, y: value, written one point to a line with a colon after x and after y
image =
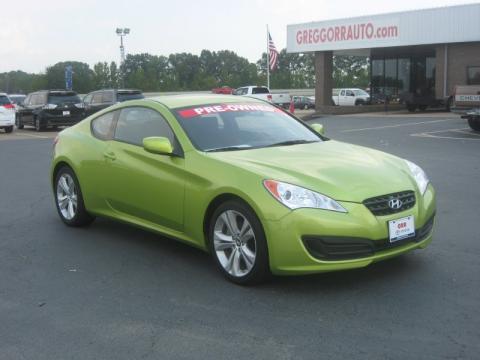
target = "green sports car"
x: 262, y: 191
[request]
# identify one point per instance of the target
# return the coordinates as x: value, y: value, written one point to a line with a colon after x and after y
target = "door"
x: 144, y: 185
x: 23, y: 110
x: 96, y: 103
x: 342, y: 98
x: 87, y: 100
x: 349, y: 98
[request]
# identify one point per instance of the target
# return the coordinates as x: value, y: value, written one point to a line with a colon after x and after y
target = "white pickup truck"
x: 350, y: 97
x: 263, y: 93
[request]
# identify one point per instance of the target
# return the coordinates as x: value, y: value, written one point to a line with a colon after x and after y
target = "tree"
x: 83, y: 76
x: 101, y: 75
x: 350, y: 71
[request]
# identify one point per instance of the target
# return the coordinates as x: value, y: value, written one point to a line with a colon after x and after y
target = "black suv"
x: 50, y: 108
x: 101, y: 99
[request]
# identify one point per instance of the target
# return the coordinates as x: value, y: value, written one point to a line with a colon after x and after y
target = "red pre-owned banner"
x: 215, y: 109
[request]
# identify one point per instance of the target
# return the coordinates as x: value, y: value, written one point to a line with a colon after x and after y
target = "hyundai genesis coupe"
x: 262, y: 191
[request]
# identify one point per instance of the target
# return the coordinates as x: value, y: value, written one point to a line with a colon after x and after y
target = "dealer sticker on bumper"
x: 401, y: 228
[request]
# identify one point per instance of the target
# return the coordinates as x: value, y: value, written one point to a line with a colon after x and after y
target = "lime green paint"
x: 170, y: 195
x: 318, y: 128
x: 158, y: 145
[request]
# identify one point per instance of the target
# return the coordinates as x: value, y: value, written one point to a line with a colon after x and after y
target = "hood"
x: 339, y: 170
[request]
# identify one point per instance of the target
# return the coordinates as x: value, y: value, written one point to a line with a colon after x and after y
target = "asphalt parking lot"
x: 116, y: 292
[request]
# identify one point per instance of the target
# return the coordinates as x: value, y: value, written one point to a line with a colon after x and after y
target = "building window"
x: 473, y: 75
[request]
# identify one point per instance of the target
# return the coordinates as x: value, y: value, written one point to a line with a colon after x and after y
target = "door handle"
x: 109, y: 155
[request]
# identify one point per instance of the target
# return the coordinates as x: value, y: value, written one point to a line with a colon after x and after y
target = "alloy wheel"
x: 234, y: 243
x: 67, y: 199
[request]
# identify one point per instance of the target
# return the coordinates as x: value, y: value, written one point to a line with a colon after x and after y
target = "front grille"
x: 341, y: 248
x: 379, y: 205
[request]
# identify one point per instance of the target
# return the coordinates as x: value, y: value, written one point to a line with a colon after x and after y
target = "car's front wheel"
x: 474, y: 123
x: 8, y: 129
x: 238, y: 243
x: 69, y: 199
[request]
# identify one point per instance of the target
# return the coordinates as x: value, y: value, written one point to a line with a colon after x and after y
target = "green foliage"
x: 185, y: 71
x: 350, y: 71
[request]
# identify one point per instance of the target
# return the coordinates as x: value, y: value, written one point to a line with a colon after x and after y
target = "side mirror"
x: 318, y: 129
x: 158, y: 145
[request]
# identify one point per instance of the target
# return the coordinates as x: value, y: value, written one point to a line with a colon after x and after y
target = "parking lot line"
x: 432, y: 134
x: 31, y: 135
x: 397, y: 125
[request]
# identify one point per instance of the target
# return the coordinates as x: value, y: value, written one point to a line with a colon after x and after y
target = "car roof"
x: 178, y: 101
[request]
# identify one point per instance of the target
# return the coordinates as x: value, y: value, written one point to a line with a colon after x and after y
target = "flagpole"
x: 268, y: 60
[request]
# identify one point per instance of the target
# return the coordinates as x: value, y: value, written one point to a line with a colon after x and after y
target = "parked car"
x: 17, y: 99
x: 466, y: 101
x: 7, y: 113
x: 303, y: 102
x: 350, y: 97
x: 263, y: 93
x: 226, y: 90
x: 50, y: 108
x: 101, y: 99
x: 248, y: 182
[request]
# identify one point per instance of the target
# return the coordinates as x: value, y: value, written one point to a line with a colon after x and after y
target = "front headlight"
x: 419, y: 175
x: 295, y: 197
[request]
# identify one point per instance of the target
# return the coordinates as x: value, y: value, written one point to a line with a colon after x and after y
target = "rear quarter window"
x: 260, y: 90
x: 102, y: 126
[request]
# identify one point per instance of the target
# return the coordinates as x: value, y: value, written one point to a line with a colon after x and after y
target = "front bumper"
x: 60, y: 120
x: 286, y: 237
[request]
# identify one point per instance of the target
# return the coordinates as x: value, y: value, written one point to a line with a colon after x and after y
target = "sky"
x: 36, y: 34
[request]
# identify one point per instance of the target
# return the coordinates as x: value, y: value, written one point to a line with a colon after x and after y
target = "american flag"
x: 273, y: 53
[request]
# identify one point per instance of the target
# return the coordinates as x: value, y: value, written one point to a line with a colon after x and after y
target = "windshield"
x: 59, y: 98
x: 129, y: 96
x: 227, y: 127
x: 360, y: 92
x: 4, y: 100
x: 17, y: 99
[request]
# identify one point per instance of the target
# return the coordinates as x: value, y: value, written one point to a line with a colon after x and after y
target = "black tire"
x: 81, y: 217
x: 39, y: 126
x: 19, y: 122
x: 474, y: 123
x: 8, y: 129
x: 422, y: 107
x: 411, y: 107
x: 359, y: 103
x: 260, y: 271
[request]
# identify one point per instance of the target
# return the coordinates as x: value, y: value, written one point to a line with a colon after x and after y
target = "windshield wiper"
x: 292, y: 142
x: 229, y: 148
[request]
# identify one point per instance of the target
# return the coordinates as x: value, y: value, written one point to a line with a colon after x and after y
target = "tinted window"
x: 350, y: 93
x: 342, y: 93
x: 124, y: 96
x: 107, y: 97
x: 87, y: 99
x: 17, y: 99
x: 136, y: 123
x: 97, y: 98
x: 63, y: 98
x: 102, y: 126
x: 4, y: 100
x: 473, y: 75
x: 260, y: 90
x: 241, y: 126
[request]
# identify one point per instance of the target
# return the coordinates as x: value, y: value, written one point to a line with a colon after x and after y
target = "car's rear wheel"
x: 422, y: 107
x: 69, y: 199
x: 411, y: 107
x: 474, y: 123
x: 8, y: 129
x: 238, y: 243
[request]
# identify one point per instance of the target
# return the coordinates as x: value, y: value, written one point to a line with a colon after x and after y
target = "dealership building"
x: 417, y: 56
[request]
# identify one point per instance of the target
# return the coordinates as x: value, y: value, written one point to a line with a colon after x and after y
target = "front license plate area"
x: 66, y: 113
x: 401, y: 228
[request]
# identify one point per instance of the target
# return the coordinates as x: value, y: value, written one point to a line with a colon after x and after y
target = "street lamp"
x: 122, y: 32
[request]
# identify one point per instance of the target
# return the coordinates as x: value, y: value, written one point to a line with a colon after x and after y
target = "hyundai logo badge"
x: 395, y: 204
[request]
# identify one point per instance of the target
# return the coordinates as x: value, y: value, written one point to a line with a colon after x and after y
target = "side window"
x: 36, y: 99
x: 107, y: 97
x: 342, y: 93
x: 102, y: 126
x: 136, y: 123
x: 88, y: 99
x: 97, y: 98
x: 27, y: 100
x: 350, y: 93
x: 473, y: 74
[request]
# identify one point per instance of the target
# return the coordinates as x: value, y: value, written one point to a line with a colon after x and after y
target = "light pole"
x: 122, y: 32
